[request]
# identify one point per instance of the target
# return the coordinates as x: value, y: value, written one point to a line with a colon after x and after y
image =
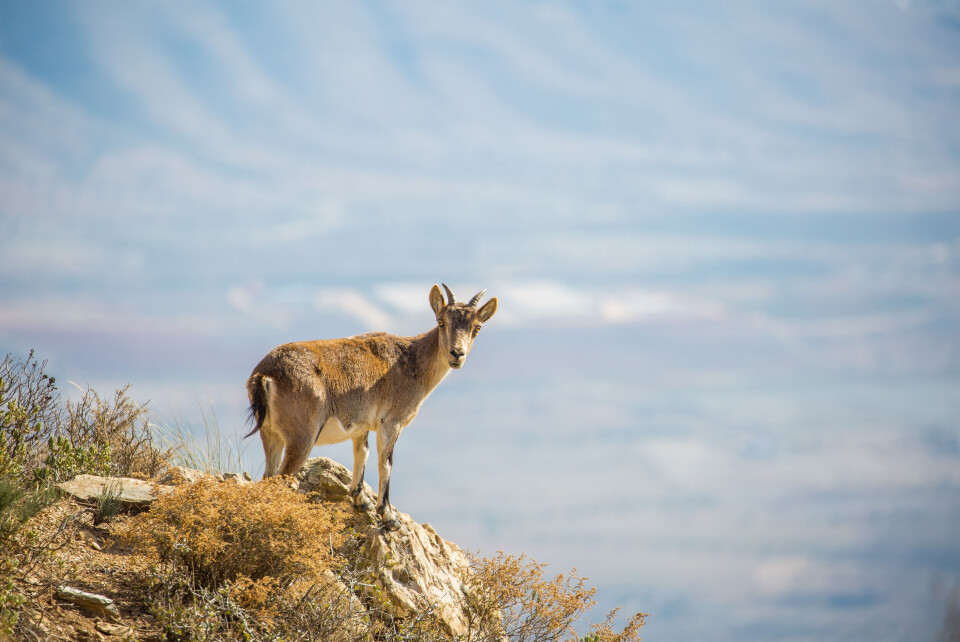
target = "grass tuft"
x: 213, y: 452
x: 108, y: 504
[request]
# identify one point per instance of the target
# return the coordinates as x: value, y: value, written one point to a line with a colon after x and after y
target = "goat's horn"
x: 450, y: 299
x: 476, y: 298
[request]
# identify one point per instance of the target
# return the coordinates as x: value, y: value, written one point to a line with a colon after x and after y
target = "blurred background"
x: 724, y: 378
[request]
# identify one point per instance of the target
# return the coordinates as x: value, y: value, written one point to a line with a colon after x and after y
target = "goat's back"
x: 334, y: 366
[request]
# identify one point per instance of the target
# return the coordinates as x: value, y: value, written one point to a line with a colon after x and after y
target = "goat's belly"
x: 333, y: 431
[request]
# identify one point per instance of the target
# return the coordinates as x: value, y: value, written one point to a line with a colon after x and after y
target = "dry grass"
x: 509, y: 598
x: 241, y: 533
x: 257, y: 561
x: 206, y: 447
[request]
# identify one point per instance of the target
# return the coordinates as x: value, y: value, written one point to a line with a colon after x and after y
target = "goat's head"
x: 459, y: 323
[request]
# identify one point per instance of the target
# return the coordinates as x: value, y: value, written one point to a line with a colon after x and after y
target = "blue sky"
x: 723, y: 378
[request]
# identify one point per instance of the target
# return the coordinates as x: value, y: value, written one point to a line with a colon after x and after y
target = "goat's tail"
x: 258, y: 388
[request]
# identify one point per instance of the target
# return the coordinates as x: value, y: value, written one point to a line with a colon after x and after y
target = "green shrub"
x: 22, y: 551
x: 28, y: 409
x: 44, y: 439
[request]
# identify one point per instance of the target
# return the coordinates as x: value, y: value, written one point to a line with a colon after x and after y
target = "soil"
x: 112, y: 571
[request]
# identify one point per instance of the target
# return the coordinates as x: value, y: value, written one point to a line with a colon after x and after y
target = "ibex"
x: 324, y: 392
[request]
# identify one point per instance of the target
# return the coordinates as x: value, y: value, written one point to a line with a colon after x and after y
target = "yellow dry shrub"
x: 604, y: 632
x: 508, y: 597
x: 259, y: 537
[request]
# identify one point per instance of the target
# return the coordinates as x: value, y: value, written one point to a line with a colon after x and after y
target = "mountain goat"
x: 324, y: 392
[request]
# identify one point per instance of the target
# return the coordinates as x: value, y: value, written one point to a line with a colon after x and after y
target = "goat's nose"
x: 456, y: 353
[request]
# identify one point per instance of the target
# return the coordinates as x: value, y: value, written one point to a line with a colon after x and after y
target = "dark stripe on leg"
x: 356, y: 491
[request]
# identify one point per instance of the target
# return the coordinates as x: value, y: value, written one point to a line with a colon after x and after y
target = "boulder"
x: 91, y: 602
x: 413, y: 568
x: 132, y: 493
x: 236, y: 478
x: 177, y: 475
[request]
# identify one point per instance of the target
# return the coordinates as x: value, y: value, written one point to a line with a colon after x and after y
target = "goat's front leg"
x: 360, y: 452
x: 386, y: 439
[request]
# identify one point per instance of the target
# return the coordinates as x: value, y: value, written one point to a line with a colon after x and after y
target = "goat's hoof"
x: 392, y: 524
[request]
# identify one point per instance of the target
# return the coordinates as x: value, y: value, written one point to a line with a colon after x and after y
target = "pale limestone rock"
x: 414, y: 567
x: 133, y: 493
x: 91, y: 602
x: 237, y: 478
x: 89, y: 539
x: 113, y: 629
x: 178, y: 475
x: 329, y: 479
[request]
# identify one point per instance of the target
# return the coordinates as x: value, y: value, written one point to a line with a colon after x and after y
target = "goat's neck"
x: 431, y: 366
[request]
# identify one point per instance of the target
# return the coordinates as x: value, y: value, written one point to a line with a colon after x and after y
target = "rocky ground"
x: 93, y: 563
x: 417, y: 568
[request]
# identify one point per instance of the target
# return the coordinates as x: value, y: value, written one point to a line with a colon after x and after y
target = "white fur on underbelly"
x: 333, y: 432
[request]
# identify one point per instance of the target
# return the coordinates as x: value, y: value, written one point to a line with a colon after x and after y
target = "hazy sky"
x: 724, y: 378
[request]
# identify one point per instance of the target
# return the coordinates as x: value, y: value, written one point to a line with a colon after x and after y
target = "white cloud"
x: 41, y: 125
x: 355, y: 304
x: 83, y: 313
x: 408, y: 299
x: 124, y: 42
x: 778, y: 576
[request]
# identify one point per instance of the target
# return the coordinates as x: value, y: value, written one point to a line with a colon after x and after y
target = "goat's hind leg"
x: 272, y: 450
x: 360, y: 452
x: 295, y: 456
x: 300, y: 442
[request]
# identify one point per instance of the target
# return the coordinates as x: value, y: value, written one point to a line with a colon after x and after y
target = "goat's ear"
x: 487, y: 310
x: 436, y: 300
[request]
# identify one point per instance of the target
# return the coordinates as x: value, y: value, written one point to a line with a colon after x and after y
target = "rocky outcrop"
x: 406, y: 572
x: 413, y: 569
x: 131, y: 493
x: 178, y: 475
x: 137, y: 493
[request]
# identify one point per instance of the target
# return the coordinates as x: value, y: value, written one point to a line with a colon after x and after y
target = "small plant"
x: 604, y: 632
x: 108, y: 504
x: 214, y: 452
x: 23, y: 552
x: 246, y: 561
x: 509, y: 598
x: 66, y: 459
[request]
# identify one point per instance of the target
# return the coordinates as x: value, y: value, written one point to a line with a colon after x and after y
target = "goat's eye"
x: 476, y: 330
x: 439, y: 323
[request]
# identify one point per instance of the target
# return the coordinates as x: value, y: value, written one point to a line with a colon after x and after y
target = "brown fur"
x: 313, y: 392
